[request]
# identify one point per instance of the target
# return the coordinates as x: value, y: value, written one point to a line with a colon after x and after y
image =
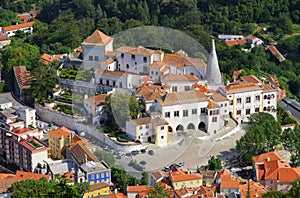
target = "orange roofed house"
x: 57, y: 140
x: 94, y: 105
x: 25, y: 27
x: 184, y: 179
x: 22, y: 80
x: 273, y: 172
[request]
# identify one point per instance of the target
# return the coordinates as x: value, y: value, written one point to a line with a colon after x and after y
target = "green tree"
x: 43, y: 189
x: 158, y: 192
x: 145, y: 178
x: 262, y: 135
x: 274, y: 194
x: 105, y: 156
x: 214, y: 163
x: 45, y: 79
x: 291, y: 142
x: 122, y: 107
x: 122, y: 179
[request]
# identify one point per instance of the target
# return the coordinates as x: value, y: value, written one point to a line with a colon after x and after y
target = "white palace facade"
x: 181, y: 93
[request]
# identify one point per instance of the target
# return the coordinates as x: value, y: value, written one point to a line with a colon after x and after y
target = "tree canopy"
x: 262, y: 135
x: 214, y: 163
x: 44, y: 189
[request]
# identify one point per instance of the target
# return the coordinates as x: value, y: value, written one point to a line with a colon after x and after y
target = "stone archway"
x: 179, y: 128
x: 191, y: 126
x: 201, y: 126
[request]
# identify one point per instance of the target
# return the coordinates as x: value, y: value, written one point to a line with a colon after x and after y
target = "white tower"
x: 213, y: 74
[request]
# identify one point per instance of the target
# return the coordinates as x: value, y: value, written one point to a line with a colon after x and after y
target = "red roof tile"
x: 21, y: 175
x: 60, y: 132
x: 270, y: 156
x: 96, y: 100
x: 97, y: 38
x: 235, y: 42
x: 23, y: 77
x: 136, y: 188
x: 19, y: 26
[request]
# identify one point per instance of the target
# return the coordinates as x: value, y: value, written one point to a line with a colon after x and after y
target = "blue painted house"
x: 96, y: 172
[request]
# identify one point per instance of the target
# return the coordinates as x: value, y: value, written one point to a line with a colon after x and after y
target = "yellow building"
x: 57, y: 140
x: 98, y: 189
x: 183, y: 179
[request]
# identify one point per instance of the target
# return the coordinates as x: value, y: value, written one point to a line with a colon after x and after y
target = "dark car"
x: 151, y: 152
x: 134, y: 153
x: 143, y: 150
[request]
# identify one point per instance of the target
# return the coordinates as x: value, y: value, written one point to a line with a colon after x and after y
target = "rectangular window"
x: 167, y: 114
x: 174, y: 88
x: 141, y: 127
x: 247, y: 111
x: 248, y: 99
x: 238, y: 112
x: 147, y: 127
x: 176, y: 113
x: 90, y: 58
x: 239, y: 100
x: 256, y: 109
x: 225, y: 104
x: 132, y: 56
x: 186, y: 88
x: 214, y: 119
x: 185, y: 113
x: 257, y: 97
x: 145, y: 59
x: 96, y: 58
x: 202, y: 110
x: 152, y: 72
x: 231, y: 102
x: 162, y: 127
x: 122, y: 55
x: 114, y: 83
x: 194, y: 111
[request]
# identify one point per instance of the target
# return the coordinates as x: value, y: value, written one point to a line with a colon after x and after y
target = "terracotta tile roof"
x: 180, y: 62
x: 157, y: 65
x: 25, y: 17
x: 117, y: 195
x: 142, y: 51
x: 179, y: 78
x: 181, y: 53
x: 288, y: 174
x: 112, y: 73
x: 273, y: 80
x: 47, y: 58
x: 250, y: 79
x: 22, y: 130
x: 3, y: 37
x: 148, y: 120
x: 217, y: 97
x: 196, y: 62
x: 6, y: 175
x: 157, y: 175
x: 79, y: 150
x: 164, y: 69
x: 207, y: 191
x: 181, y: 192
x: 288, y: 125
x: 98, y: 185
x: 233, y: 184
x: 242, y: 87
x: 144, y: 194
x: 150, y: 92
x: 146, y: 78
x: 137, y: 188
x: 186, y: 177
x: 60, y: 132
x: 110, y: 53
x: 237, y: 73
x: 96, y: 100
x: 97, y: 38
x: 268, y: 88
x: 23, y: 77
x: 18, y: 27
x: 182, y: 97
x: 256, y: 189
x: 21, y: 175
x: 276, y: 52
x: 270, y: 156
x: 78, y: 49
x: 107, y: 61
x: 212, y: 105
x: 251, y: 37
x: 6, y: 182
x: 235, y: 42
x: 124, y: 49
x: 223, y: 172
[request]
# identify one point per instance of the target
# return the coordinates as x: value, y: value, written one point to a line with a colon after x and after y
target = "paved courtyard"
x: 194, y: 148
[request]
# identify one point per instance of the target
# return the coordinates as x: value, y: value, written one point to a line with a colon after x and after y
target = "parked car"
x: 151, y: 152
x: 143, y: 150
x: 167, y: 169
x: 181, y: 164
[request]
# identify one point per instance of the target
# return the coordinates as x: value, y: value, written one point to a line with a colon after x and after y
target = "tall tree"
x: 158, y: 192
